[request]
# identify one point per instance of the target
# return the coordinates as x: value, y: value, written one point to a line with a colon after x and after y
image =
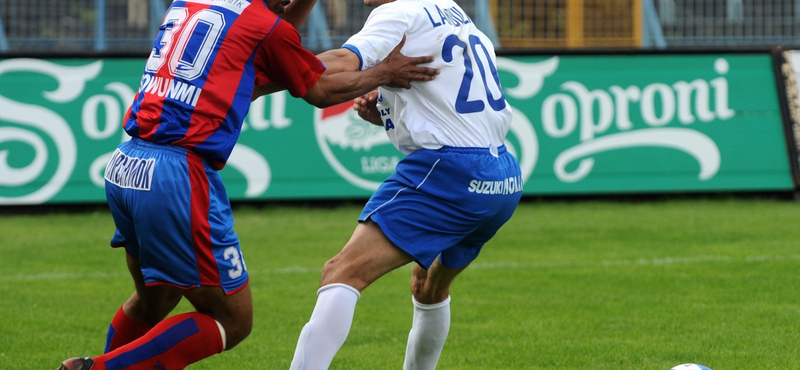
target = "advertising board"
x: 583, y: 124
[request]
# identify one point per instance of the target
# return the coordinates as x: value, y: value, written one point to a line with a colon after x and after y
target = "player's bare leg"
x: 149, y: 305
x: 431, y: 297
x: 367, y: 256
x: 220, y: 323
x: 145, y: 308
x: 234, y: 312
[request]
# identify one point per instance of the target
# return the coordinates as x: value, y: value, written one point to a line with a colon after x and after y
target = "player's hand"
x: 405, y: 69
x: 367, y: 109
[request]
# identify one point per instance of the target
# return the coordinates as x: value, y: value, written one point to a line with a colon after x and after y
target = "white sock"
x: 327, y: 329
x: 427, y: 336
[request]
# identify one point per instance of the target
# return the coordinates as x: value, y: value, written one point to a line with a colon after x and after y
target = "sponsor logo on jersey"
x: 506, y: 186
x: 130, y: 172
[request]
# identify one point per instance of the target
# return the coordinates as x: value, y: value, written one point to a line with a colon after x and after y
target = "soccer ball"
x: 690, y: 367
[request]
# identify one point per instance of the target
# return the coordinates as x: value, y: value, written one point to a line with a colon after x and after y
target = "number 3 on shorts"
x: 232, y: 254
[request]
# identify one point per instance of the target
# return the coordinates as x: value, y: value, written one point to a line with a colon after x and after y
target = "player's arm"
x: 340, y: 60
x: 335, y: 61
x: 396, y: 70
x: 296, y: 14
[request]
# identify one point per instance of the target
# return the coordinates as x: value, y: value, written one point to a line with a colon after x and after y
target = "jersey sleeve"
x: 382, y: 31
x: 283, y: 60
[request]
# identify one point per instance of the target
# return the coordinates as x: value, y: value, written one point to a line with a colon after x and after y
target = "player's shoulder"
x: 281, y: 28
x: 403, y: 5
x: 412, y: 9
x: 403, y: 10
x: 416, y: 5
x: 255, y: 19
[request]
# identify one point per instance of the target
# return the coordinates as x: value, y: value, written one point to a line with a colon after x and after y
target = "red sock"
x: 173, y: 344
x: 123, y: 330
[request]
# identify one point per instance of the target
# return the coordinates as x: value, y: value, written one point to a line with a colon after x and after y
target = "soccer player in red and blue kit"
x: 169, y: 205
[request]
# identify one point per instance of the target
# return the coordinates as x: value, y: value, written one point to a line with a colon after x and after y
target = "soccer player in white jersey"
x: 456, y: 186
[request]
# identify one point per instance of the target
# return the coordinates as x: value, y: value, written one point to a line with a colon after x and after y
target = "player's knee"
x: 237, y: 332
x: 329, y: 269
x: 418, y: 282
x: 427, y: 291
x: 335, y: 270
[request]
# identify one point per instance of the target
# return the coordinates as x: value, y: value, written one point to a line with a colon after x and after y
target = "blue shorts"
x: 446, y: 202
x: 172, y: 213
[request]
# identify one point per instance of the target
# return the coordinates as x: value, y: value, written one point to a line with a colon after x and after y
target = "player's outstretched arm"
x: 396, y: 70
x: 335, y: 61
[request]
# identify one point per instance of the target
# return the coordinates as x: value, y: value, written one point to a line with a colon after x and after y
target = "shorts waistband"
x: 454, y: 149
x: 151, y: 146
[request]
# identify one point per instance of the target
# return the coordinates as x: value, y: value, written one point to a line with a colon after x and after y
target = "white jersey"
x: 464, y: 106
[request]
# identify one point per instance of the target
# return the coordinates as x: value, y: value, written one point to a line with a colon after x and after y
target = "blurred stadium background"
x: 128, y: 26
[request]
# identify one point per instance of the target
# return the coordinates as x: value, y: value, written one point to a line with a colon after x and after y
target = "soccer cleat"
x: 77, y: 363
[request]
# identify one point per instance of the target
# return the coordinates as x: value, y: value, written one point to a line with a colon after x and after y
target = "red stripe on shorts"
x: 201, y: 230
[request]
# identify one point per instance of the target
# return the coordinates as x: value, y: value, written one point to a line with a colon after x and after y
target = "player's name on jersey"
x: 452, y: 16
x: 173, y: 89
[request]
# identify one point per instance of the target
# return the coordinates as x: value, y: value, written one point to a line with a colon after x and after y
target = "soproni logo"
x: 593, y: 113
x: 600, y: 118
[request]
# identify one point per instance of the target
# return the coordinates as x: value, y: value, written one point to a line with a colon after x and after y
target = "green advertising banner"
x: 649, y: 122
x: 583, y: 124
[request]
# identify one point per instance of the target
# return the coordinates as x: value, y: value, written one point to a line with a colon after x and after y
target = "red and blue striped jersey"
x: 206, y: 60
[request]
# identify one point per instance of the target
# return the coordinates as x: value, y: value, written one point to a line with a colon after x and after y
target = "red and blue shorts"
x: 172, y: 213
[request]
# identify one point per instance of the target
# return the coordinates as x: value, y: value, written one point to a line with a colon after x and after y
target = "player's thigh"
x: 151, y: 304
x: 212, y: 300
x: 367, y: 256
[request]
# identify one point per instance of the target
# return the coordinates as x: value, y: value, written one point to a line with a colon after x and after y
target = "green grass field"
x: 564, y: 285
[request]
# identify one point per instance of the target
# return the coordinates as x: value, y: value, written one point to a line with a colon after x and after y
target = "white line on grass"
x: 477, y: 265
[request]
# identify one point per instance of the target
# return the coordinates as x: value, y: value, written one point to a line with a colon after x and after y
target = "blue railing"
x: 77, y: 26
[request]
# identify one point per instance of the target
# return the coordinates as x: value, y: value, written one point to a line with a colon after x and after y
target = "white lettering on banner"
x: 71, y: 81
x: 790, y: 69
x: 379, y: 164
x: 40, y: 126
x: 594, y: 112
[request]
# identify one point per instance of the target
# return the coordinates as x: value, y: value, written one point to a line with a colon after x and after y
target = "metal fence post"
x: 157, y: 10
x: 318, y: 36
x: 483, y: 19
x: 100, y: 25
x: 653, y: 35
x: 3, y: 38
x: 796, y: 10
